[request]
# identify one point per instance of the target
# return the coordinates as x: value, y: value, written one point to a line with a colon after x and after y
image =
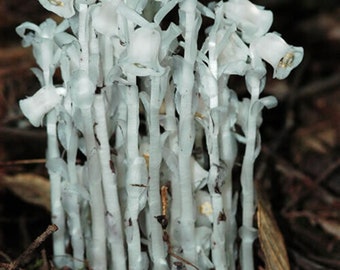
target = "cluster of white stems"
x: 143, y: 130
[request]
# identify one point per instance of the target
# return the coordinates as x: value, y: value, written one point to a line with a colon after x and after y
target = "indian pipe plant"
x: 152, y: 115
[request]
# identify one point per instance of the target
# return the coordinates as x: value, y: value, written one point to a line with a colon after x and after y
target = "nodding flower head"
x: 105, y: 18
x: 63, y: 8
x: 280, y: 55
x: 233, y: 58
x: 143, y: 53
x: 252, y: 20
x: 43, y: 101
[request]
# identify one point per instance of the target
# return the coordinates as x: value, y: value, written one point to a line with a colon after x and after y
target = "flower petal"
x: 251, y: 19
x: 36, y: 106
x: 280, y: 55
x: 63, y: 8
x: 233, y: 58
x: 105, y: 17
x: 142, y: 53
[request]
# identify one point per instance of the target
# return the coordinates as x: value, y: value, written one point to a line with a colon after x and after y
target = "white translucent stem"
x: 186, y: 134
x: 107, y: 60
x: 247, y: 203
x: 115, y: 233
x: 132, y: 153
x: 75, y: 230
x: 231, y: 226
x: 57, y: 211
x: 98, y: 257
x: 154, y: 201
x: 229, y: 142
x: 171, y: 121
x: 133, y: 122
x: 99, y: 261
x: 214, y: 183
x: 170, y: 126
x: 83, y: 37
x: 247, y: 182
x: 95, y: 67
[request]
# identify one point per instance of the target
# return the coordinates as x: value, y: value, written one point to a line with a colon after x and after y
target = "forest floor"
x: 298, y: 172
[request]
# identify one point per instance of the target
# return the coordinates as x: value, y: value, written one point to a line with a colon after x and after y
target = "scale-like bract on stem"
x: 149, y: 108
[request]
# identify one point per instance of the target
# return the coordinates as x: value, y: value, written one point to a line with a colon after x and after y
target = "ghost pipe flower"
x: 227, y: 55
x: 281, y: 56
x: 71, y: 189
x: 212, y: 130
x: 136, y: 173
x: 63, y: 8
x: 283, y: 60
x: 110, y: 187
x: 228, y: 155
x: 183, y: 139
x: 233, y: 58
x: 143, y: 60
x: 44, y: 47
x: 155, y: 159
x: 105, y: 18
x: 190, y: 20
x: 249, y: 120
x: 139, y: 61
x: 43, y: 101
x: 82, y: 90
x: 252, y: 20
x: 45, y: 52
x: 108, y: 15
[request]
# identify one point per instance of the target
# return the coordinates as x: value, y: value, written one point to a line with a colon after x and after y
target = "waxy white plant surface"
x: 143, y: 130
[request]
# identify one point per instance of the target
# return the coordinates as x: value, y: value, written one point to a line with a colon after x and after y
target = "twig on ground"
x: 26, y: 255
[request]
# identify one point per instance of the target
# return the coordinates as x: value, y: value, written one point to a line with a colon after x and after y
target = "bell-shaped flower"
x: 233, y: 58
x: 142, y: 57
x: 106, y: 15
x: 105, y: 18
x: 252, y: 20
x: 43, y: 101
x: 41, y: 38
x: 280, y: 55
x: 63, y: 8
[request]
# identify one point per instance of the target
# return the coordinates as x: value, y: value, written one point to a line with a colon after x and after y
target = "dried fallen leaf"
x: 270, y: 237
x: 29, y: 187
